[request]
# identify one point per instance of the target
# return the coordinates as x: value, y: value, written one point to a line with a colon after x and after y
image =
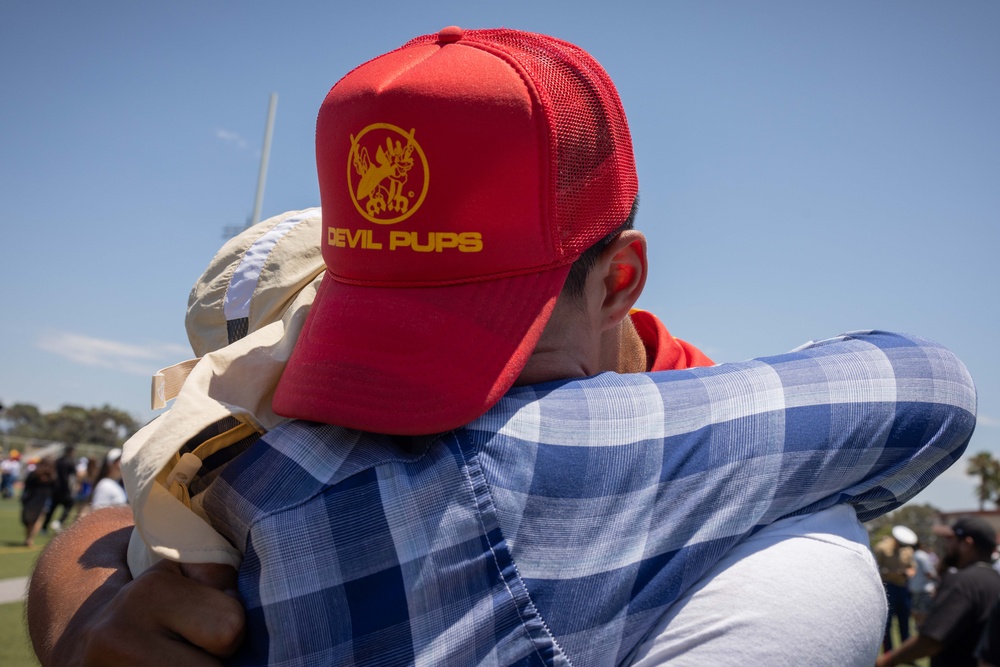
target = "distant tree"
x: 24, y: 420
x: 918, y: 518
x: 70, y: 424
x: 987, y: 469
x: 117, y: 422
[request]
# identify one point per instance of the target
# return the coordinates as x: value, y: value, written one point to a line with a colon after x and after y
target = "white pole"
x: 262, y: 177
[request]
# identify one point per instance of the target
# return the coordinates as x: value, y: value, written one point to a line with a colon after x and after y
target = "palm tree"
x: 987, y: 469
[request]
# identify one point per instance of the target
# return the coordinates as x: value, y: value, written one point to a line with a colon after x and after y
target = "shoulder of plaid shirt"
x: 563, y: 526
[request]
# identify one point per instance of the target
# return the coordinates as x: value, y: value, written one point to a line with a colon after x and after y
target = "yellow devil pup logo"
x: 393, y: 186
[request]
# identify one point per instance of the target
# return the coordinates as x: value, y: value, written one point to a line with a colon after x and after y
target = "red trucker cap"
x: 460, y: 177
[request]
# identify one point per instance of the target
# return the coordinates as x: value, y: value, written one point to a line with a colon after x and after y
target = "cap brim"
x: 414, y: 360
x: 942, y: 530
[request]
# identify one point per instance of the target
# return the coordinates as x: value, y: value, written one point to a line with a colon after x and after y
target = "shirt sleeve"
x: 674, y: 469
x: 867, y: 418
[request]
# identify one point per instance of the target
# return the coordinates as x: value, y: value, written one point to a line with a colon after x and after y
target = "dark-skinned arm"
x: 913, y: 648
x: 84, y: 609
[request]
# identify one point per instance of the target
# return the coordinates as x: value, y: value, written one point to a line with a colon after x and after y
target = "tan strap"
x: 168, y: 381
x: 187, y: 466
x: 223, y: 440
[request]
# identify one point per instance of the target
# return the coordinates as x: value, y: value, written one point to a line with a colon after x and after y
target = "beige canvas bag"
x: 244, y: 316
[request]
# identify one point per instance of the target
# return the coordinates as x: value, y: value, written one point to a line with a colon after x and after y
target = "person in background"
x: 108, y: 490
x: 894, y: 555
x: 923, y: 580
x: 953, y: 627
x: 39, y: 486
x: 10, y: 472
x: 65, y: 487
x: 86, y: 475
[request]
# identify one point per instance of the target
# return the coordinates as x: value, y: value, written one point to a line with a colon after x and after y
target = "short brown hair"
x: 578, y: 273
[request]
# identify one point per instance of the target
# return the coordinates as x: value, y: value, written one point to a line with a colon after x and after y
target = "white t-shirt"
x: 923, y: 580
x: 802, y: 591
x: 108, y: 492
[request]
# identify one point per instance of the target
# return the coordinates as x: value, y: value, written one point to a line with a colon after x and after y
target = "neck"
x: 563, y: 357
x: 630, y: 355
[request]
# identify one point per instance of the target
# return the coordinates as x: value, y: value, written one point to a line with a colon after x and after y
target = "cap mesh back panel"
x: 593, y: 163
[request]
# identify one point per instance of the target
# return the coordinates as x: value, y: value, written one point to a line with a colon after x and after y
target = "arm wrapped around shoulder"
x: 895, y: 411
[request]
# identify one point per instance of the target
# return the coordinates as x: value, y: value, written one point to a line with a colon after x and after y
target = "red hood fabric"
x: 666, y: 352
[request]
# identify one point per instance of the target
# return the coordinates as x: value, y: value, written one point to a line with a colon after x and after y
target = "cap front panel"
x: 430, y: 165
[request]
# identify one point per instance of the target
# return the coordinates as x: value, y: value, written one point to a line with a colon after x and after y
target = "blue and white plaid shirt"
x: 557, y: 528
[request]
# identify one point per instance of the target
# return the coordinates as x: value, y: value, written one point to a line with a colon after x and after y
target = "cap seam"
x: 549, y: 166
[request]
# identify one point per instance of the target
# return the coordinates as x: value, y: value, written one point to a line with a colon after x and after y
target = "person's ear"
x: 623, y: 268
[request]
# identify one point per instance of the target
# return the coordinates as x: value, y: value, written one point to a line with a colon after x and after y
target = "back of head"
x: 982, y: 534
x: 45, y: 470
x: 461, y: 175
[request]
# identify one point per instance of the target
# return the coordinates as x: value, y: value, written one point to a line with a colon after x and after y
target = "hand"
x: 84, y: 609
x: 172, y: 614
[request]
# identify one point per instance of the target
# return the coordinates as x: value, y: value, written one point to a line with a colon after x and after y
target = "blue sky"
x: 806, y: 169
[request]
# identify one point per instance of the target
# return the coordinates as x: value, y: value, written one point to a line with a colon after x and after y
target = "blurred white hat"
x: 904, y: 535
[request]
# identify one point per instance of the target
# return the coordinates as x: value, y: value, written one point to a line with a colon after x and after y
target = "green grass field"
x: 14, y: 648
x: 16, y: 560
